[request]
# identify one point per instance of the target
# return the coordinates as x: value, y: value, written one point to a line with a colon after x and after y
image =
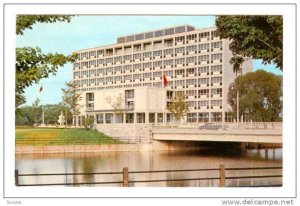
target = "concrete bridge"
x: 243, y: 136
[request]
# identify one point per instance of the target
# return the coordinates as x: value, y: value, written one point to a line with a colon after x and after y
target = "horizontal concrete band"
x: 262, y: 138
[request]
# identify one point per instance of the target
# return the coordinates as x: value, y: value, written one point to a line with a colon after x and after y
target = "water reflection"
x: 136, y: 161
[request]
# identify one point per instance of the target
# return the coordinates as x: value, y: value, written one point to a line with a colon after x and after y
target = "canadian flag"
x: 165, y: 81
x: 41, y: 89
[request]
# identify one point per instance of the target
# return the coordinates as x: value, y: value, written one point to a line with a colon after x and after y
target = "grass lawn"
x: 61, y: 136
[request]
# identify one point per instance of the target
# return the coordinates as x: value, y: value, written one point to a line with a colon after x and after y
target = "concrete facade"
x: 194, y: 62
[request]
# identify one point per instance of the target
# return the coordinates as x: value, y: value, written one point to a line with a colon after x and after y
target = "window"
x: 213, y: 35
x: 203, y: 93
x: 93, y: 63
x: 109, y: 60
x: 118, y: 69
x: 203, y: 103
x: 99, y: 118
x: 203, y: 117
x: 190, y: 60
x: 127, y: 77
x: 84, y: 73
x: 192, y: 37
x: 204, y: 47
x: 216, y: 45
x: 90, y: 97
x: 84, y: 82
x: 191, y: 93
x: 179, y: 72
x: 109, y: 79
x: 137, y: 56
x: 190, y: 82
x: 214, y: 103
x: 168, y: 62
x: 118, y: 78
x: 204, y: 35
x: 118, y: 59
x: 179, y: 50
x: 157, y: 84
x: 204, y: 58
x: 190, y: 71
x: 100, y: 52
x: 168, y: 73
x: 216, y: 68
x: 137, y: 66
x: 179, y: 83
x: 101, y: 61
x: 100, y: 71
x: 137, y: 76
x: 100, y: 80
x: 147, y: 55
x: 157, y: 53
x: 147, y: 65
x: 76, y: 74
x: 147, y: 84
x: 216, y: 80
x: 76, y: 65
x: 217, y: 91
x: 108, y: 118
x: 203, y: 70
x: 157, y: 74
x: 216, y: 116
x: 109, y: 70
x: 168, y: 52
x: 92, y: 81
x: 203, y: 82
x: 157, y: 64
x: 180, y: 61
x: 84, y: 55
x: 216, y: 57
x: 147, y: 75
x: 191, y: 117
x: 127, y: 57
x: 128, y: 68
x: 192, y: 48
x: 179, y: 39
x: 84, y: 64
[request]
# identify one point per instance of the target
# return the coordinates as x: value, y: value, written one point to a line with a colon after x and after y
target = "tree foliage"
x: 71, y: 98
x: 24, y: 22
x: 31, y: 64
x: 259, y: 37
x: 118, y: 105
x: 52, y: 112
x: 178, y: 107
x: 260, y: 95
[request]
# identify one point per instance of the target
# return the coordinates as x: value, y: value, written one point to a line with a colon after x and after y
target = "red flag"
x: 41, y: 89
x: 165, y: 81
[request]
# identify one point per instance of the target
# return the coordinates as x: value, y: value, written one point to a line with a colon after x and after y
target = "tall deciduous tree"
x: 259, y: 37
x: 31, y: 64
x: 118, y: 105
x: 178, y: 107
x: 71, y: 98
x: 36, y: 111
x: 260, y: 95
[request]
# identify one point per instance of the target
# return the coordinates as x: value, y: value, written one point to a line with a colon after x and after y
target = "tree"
x: 118, y: 106
x: 31, y: 64
x: 71, y: 98
x: 260, y: 95
x: 178, y: 107
x: 36, y: 111
x: 259, y: 37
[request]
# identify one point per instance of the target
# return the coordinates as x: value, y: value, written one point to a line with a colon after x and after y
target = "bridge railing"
x: 127, y: 178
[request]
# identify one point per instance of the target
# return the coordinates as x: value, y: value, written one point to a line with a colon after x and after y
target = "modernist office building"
x: 194, y: 62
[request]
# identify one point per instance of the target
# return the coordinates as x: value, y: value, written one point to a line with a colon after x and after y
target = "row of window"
x: 149, y: 45
x: 200, y: 82
x: 159, y: 63
x: 194, y: 71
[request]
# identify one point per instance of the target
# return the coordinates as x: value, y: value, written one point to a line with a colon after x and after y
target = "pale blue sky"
x: 92, y: 31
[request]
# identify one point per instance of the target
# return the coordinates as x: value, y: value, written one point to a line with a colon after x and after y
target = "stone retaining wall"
x: 154, y: 146
x: 141, y: 133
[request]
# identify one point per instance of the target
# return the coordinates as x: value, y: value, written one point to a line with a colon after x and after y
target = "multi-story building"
x: 194, y: 62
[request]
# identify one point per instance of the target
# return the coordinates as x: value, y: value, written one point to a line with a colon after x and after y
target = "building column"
x: 134, y: 117
x: 124, y: 118
x: 73, y: 120
x: 95, y: 118
x: 77, y: 119
x: 104, y: 118
x: 146, y: 117
x: 155, y: 118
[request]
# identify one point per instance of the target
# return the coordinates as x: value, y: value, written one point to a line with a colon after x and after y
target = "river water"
x: 137, y: 161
